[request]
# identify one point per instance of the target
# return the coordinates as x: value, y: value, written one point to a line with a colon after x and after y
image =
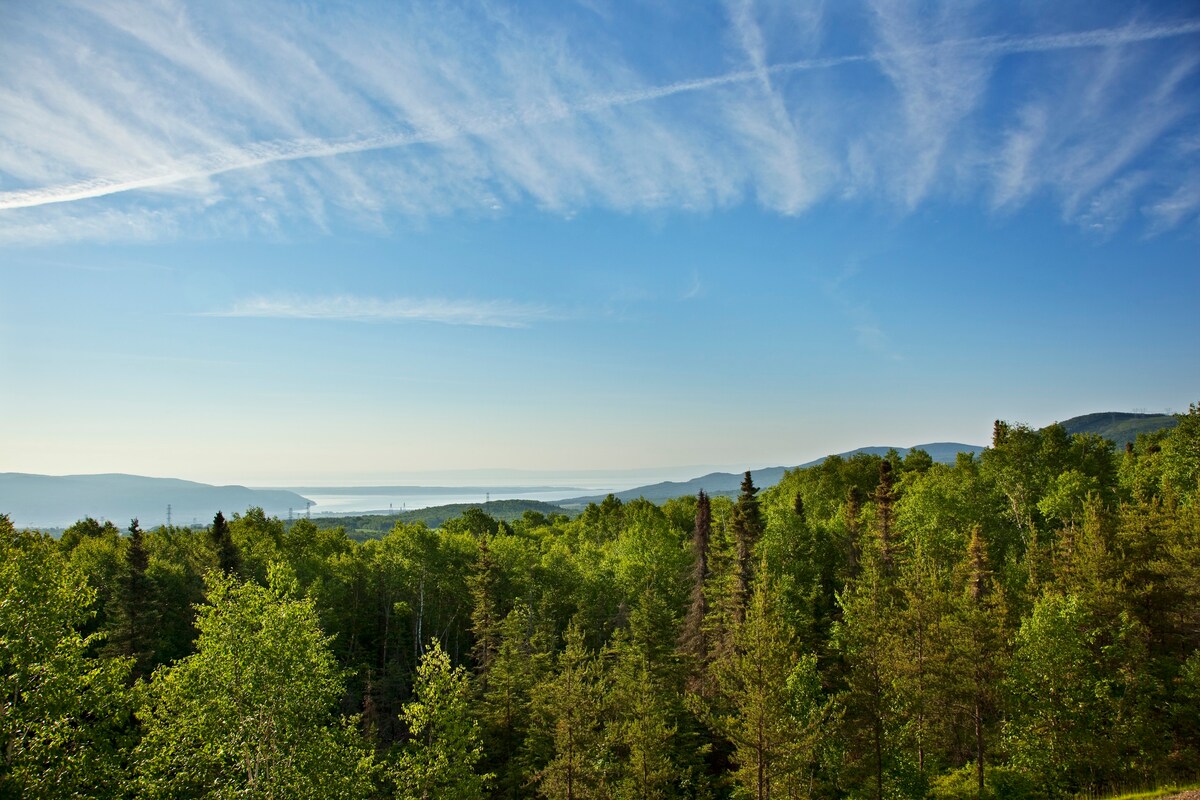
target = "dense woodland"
x: 1022, y: 624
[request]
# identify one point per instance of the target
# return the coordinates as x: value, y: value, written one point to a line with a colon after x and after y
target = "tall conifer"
x: 747, y: 528
x: 228, y: 559
x: 694, y: 641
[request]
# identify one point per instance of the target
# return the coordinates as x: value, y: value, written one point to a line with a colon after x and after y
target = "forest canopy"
x: 1025, y: 623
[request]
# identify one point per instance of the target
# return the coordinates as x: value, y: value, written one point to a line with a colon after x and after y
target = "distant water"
x: 548, y: 487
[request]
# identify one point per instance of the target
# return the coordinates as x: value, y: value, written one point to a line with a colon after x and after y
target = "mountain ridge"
x: 53, y: 501
x: 728, y: 483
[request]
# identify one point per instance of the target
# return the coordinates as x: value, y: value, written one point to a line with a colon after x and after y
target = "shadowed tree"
x: 485, y: 616
x: 137, y: 606
x: 693, y: 642
x: 747, y: 526
x: 569, y: 707
x: 773, y: 703
x: 228, y: 560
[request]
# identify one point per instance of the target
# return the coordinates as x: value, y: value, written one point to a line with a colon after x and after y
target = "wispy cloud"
x: 485, y: 313
x: 267, y: 115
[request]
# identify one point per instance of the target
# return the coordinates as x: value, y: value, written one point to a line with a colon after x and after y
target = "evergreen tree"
x: 773, y: 704
x: 693, y: 641
x: 228, y: 559
x: 851, y: 519
x: 747, y: 526
x: 485, y: 615
x: 884, y: 498
x: 138, y: 608
x: 521, y: 662
x: 866, y: 637
x: 643, y: 712
x: 569, y: 704
x: 921, y: 657
x: 977, y: 652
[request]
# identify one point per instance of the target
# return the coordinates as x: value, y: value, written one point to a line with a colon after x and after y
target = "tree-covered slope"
x: 726, y: 484
x: 1119, y: 427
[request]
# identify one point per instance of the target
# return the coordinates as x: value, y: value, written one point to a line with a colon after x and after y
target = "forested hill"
x: 55, y: 501
x: 1119, y: 427
x: 725, y: 484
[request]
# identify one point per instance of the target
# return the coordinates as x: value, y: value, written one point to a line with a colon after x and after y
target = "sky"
x: 293, y: 243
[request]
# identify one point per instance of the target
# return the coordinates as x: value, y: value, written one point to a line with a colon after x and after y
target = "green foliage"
x: 1000, y: 783
x: 568, y: 706
x: 774, y: 708
x: 63, y: 722
x: 1067, y: 681
x: 439, y: 761
x: 251, y: 712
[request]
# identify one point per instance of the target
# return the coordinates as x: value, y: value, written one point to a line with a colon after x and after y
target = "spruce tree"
x: 644, y: 704
x: 137, y: 605
x: 866, y: 637
x: 884, y: 497
x: 747, y: 529
x: 228, y: 559
x: 771, y: 700
x: 694, y: 641
x: 976, y: 636
x: 569, y: 707
x: 521, y: 661
x: 485, y: 616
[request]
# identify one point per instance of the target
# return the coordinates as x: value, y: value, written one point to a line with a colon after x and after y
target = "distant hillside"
x: 55, y: 501
x: 728, y: 484
x: 373, y: 526
x: 1119, y: 427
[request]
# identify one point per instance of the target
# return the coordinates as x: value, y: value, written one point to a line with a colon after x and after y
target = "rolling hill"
x: 1119, y: 427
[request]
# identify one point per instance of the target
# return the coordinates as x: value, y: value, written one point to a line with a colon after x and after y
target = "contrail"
x: 271, y: 152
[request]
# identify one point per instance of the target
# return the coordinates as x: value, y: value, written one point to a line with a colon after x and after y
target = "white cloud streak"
x: 485, y: 115
x: 342, y: 308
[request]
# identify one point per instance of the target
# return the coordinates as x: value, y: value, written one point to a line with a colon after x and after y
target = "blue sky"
x: 276, y: 243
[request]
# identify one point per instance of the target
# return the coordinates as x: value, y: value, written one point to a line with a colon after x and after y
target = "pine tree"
x: 866, y: 637
x: 922, y: 652
x: 851, y: 512
x: 521, y: 661
x: 976, y: 638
